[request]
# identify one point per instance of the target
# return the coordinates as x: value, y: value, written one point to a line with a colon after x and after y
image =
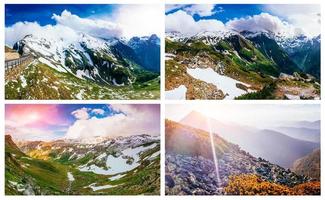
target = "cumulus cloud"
x: 172, y: 7
x: 139, y: 20
x: 263, y: 22
x: 288, y: 20
x: 183, y: 22
x: 128, y: 120
x: 19, y: 30
x: 98, y: 111
x: 125, y: 21
x: 306, y: 17
x: 93, y: 27
x: 81, y: 113
x: 200, y: 9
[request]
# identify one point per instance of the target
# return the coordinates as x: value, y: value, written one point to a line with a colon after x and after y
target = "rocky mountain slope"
x: 227, y: 64
x: 305, y: 52
x: 113, y: 66
x: 191, y: 171
x: 148, y: 49
x: 259, y: 143
x: 123, y: 165
x: 273, y: 51
x: 308, y: 165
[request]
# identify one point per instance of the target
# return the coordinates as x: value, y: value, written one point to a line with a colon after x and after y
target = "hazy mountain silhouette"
x: 271, y: 145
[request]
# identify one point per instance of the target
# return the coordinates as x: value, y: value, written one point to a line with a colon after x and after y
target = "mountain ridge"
x: 258, y: 142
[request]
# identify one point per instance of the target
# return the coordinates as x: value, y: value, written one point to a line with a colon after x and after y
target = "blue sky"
x: 230, y: 11
x: 236, y: 11
x: 42, y: 13
x: 67, y: 109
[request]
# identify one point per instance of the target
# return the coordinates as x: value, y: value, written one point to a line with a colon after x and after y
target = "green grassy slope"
x: 43, y: 82
x: 49, y: 177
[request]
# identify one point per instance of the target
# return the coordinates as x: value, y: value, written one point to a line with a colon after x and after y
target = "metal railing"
x: 11, y: 64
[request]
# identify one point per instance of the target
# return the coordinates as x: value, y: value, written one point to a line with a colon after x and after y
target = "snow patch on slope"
x: 23, y: 81
x: 48, y: 63
x: 70, y: 176
x: 95, y: 188
x: 224, y: 83
x: 178, y: 93
x: 119, y: 164
x: 116, y: 177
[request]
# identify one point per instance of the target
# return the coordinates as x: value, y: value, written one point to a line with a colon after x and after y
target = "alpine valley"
x: 82, y: 149
x: 228, y: 63
x: 93, y: 166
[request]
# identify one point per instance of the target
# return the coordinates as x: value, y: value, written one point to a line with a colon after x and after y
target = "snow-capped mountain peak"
x: 85, y: 56
x: 285, y: 41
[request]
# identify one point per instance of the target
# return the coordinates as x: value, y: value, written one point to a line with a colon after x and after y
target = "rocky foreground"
x: 195, y: 175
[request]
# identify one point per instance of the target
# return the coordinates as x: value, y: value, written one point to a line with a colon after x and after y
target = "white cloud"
x: 93, y: 27
x: 125, y: 21
x: 126, y: 109
x: 183, y: 22
x: 200, y: 9
x: 135, y: 119
x: 288, y: 20
x: 98, y: 111
x: 68, y: 26
x: 305, y: 17
x: 171, y: 7
x: 139, y: 20
x: 19, y: 30
x: 263, y: 22
x: 81, y: 113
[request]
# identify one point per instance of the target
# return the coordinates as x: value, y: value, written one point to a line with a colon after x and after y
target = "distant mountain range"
x: 123, y: 166
x: 116, y: 67
x: 190, y: 167
x: 306, y: 124
x: 261, y: 65
x: 148, y: 49
x: 260, y: 143
x: 302, y: 133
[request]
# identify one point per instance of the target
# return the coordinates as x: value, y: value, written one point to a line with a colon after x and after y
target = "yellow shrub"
x: 250, y: 184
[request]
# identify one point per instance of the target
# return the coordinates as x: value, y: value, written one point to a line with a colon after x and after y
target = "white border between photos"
x: 162, y: 101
